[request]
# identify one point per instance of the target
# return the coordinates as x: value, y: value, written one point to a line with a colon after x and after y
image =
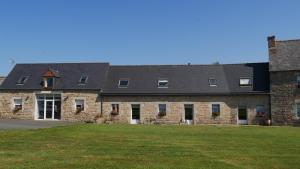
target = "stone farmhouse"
x: 250, y: 93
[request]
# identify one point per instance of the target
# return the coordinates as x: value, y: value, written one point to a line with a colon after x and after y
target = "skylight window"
x: 83, y: 79
x: 22, y: 80
x: 163, y: 83
x: 245, y: 82
x: 212, y: 82
x: 123, y: 83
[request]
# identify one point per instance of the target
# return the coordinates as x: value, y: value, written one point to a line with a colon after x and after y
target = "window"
x: 162, y: 109
x: 22, y: 80
x: 215, y: 109
x: 115, y: 109
x: 163, y: 83
x: 260, y: 111
x: 48, y: 82
x: 79, y: 103
x: 298, y: 110
x: 83, y: 79
x: 298, y: 81
x: 17, y: 104
x: 212, y: 82
x: 245, y: 82
x: 123, y: 83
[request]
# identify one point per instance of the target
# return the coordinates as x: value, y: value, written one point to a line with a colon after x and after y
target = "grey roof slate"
x: 188, y: 79
x: 143, y: 79
x: 69, y: 76
x: 285, y: 56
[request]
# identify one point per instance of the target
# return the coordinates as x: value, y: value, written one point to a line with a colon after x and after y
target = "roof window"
x: 245, y: 82
x: 83, y: 79
x: 22, y: 80
x: 163, y: 83
x: 212, y: 82
x: 123, y: 83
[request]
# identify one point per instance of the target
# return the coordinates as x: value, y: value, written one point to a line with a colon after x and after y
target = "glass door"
x: 242, y: 115
x: 135, y: 113
x: 189, y: 113
x: 49, y: 109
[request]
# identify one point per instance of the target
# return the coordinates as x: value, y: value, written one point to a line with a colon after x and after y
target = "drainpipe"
x: 101, y: 102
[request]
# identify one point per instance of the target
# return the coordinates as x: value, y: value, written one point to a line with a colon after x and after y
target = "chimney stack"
x: 271, y: 42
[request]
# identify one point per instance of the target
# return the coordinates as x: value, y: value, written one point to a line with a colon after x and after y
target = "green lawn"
x: 151, y: 146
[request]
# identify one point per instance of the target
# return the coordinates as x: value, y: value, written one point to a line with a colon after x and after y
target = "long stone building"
x: 251, y: 93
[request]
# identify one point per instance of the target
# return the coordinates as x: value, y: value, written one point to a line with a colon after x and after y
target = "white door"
x: 242, y: 115
x: 135, y: 114
x: 189, y: 113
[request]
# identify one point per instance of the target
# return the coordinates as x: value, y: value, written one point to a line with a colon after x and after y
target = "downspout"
x: 101, y: 102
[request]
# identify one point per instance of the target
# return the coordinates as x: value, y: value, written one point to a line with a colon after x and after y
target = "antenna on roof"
x: 12, y: 61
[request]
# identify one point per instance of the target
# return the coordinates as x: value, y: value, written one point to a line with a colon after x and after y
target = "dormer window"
x: 163, y: 83
x: 49, y: 78
x: 245, y: 82
x: 212, y: 82
x: 22, y: 80
x: 48, y: 82
x: 83, y: 79
x: 123, y: 83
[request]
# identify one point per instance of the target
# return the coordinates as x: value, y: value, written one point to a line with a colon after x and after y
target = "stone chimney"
x: 272, y: 44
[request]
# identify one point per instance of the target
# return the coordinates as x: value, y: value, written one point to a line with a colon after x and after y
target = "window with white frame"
x: 114, y: 109
x: 298, y: 110
x: 212, y: 82
x: 245, y: 82
x: 260, y: 111
x: 49, y: 82
x: 163, y: 83
x: 83, y: 79
x: 123, y: 83
x: 216, y: 110
x: 22, y: 80
x: 298, y: 81
x: 162, y: 109
x: 79, y: 104
x: 18, y: 104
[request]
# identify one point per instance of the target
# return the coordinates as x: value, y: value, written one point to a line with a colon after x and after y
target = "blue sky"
x: 143, y: 31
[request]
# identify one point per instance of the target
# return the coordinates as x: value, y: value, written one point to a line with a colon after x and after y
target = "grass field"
x: 150, y: 146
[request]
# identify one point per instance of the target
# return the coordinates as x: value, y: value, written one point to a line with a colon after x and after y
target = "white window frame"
x: 123, y: 79
x: 158, y: 111
x: 162, y: 80
x: 83, y: 104
x: 23, y: 82
x: 244, y: 84
x: 86, y: 79
x: 209, y: 81
x: 14, y: 102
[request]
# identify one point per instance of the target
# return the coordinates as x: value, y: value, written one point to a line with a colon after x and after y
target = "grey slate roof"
x: 69, y: 76
x: 183, y: 79
x: 285, y: 56
x: 188, y: 79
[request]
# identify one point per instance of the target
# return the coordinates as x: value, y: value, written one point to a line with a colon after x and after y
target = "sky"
x: 129, y: 32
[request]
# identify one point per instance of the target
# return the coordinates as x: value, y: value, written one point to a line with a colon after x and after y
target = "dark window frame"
x: 215, y: 106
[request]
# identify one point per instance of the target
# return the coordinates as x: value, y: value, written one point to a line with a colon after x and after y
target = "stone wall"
x: 284, y: 95
x: 7, y: 105
x: 92, y: 106
x: 175, y: 108
x: 148, y: 104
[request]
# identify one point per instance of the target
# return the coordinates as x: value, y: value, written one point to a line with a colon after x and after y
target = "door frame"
x: 189, y: 122
x: 242, y: 122
x: 36, y: 114
x: 135, y: 121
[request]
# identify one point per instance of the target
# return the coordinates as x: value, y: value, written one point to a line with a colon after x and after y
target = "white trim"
x: 242, y: 122
x: 167, y: 107
x: 123, y: 79
x: 135, y: 121
x: 210, y: 106
x: 189, y: 122
x: 84, y: 103
x: 45, y: 100
x: 13, y: 105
